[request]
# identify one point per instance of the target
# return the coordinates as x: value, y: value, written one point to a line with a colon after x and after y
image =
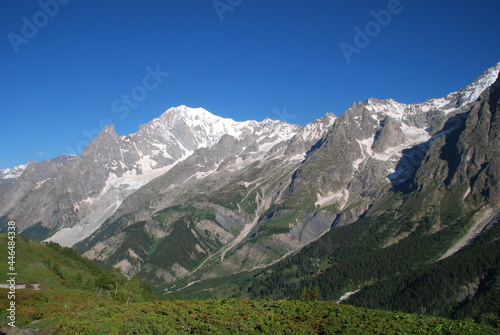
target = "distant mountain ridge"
x: 192, y: 197
x: 114, y: 166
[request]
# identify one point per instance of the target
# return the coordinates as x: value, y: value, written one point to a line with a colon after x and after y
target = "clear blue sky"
x: 245, y: 59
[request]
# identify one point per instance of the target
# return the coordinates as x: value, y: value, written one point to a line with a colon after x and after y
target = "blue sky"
x: 67, y: 67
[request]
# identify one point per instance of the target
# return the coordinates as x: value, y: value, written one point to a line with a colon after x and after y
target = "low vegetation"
x: 85, y: 313
x: 253, y: 317
x: 78, y: 297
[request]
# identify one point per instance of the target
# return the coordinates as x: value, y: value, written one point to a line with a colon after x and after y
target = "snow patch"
x: 357, y: 162
x: 132, y: 181
x: 13, y: 173
x: 466, y: 194
x: 86, y: 227
x: 366, y: 146
x: 433, y: 104
x: 414, y: 135
x: 473, y: 91
x: 346, y: 295
x: 146, y: 163
x: 133, y: 254
x: 40, y: 183
x: 393, y: 153
x: 202, y: 175
x: 387, y: 107
x: 340, y: 198
x: 298, y: 157
x: 88, y: 201
x: 102, y: 207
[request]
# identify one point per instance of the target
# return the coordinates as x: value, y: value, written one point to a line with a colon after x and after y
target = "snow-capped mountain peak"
x: 15, y: 172
x: 447, y: 104
x: 206, y: 128
x: 124, y: 164
x: 194, y: 116
x: 471, y: 92
x: 388, y: 107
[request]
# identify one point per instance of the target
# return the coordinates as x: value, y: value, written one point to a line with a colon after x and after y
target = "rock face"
x: 50, y: 197
x: 193, y: 196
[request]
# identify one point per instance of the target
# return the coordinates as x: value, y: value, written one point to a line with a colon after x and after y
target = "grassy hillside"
x: 86, y: 314
x: 392, y: 260
x: 241, y: 316
x: 406, y: 276
x: 69, y: 283
x: 77, y: 297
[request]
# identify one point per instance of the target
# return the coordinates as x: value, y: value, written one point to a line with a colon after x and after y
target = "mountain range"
x: 200, y: 205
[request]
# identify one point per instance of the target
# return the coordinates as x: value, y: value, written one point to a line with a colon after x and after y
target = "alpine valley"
x: 389, y: 206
